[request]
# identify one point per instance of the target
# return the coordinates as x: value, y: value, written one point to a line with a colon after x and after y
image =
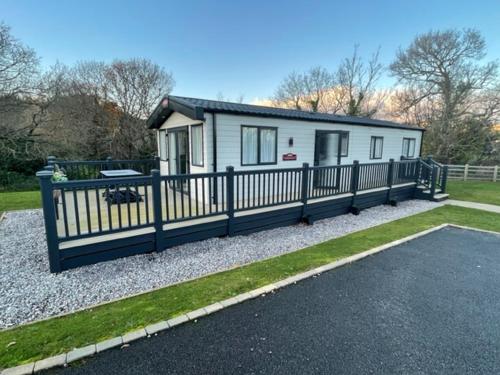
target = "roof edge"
x: 167, y: 106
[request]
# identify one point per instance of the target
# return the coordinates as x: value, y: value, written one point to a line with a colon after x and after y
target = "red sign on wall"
x: 289, y: 156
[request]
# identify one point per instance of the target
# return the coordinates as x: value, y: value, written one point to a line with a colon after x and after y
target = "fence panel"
x: 193, y: 196
x: 94, y: 207
x: 266, y: 188
x: 372, y: 176
x: 329, y: 181
x: 91, y: 169
x: 473, y: 172
x: 405, y: 171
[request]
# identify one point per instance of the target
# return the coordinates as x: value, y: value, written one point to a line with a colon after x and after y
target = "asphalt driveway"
x: 430, y: 306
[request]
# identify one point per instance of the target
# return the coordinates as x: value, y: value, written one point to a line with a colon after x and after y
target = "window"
x: 376, y: 146
x: 344, y: 143
x: 408, y: 147
x: 197, y: 145
x: 163, y: 140
x: 258, y: 145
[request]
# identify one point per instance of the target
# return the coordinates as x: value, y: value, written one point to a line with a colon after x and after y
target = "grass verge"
x: 50, y: 337
x: 20, y: 200
x: 475, y: 191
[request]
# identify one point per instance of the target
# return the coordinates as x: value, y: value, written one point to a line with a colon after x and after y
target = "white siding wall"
x: 303, y: 134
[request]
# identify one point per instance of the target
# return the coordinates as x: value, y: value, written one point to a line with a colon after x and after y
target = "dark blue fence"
x: 91, y: 169
x: 82, y: 213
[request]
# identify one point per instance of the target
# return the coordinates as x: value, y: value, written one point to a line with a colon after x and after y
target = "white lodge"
x: 199, y: 136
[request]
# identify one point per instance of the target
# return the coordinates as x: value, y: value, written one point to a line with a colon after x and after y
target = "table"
x: 120, y: 173
x: 124, y: 195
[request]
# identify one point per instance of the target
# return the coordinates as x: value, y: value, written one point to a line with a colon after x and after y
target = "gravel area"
x: 30, y: 292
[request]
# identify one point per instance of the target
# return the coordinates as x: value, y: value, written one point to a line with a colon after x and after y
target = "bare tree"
x: 356, y: 94
x: 305, y: 91
x: 317, y: 82
x: 18, y: 65
x: 18, y: 75
x: 135, y: 86
x: 291, y: 92
x: 443, y: 70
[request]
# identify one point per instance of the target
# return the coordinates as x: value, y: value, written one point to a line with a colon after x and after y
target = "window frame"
x: 259, y: 128
x: 409, y: 139
x: 166, y: 144
x: 202, y: 146
x: 342, y: 133
x: 373, y: 147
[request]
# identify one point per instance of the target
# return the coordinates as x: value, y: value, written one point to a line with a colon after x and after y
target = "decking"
x: 86, y: 223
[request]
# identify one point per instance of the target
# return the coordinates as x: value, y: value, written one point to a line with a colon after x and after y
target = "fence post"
x: 444, y: 179
x: 51, y: 160
x: 354, y: 186
x: 109, y: 163
x: 158, y: 223
x: 355, y: 177
x: 495, y: 173
x: 305, y: 188
x: 49, y: 217
x: 390, y: 178
x: 230, y: 200
x: 466, y: 172
x: 433, y: 180
x: 157, y: 162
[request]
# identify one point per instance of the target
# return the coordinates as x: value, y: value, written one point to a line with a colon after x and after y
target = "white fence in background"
x: 473, y: 172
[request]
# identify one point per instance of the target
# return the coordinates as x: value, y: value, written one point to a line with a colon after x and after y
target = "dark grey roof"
x: 195, y: 108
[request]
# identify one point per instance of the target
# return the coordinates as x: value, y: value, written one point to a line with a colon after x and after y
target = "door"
x: 327, y: 153
x: 178, y: 151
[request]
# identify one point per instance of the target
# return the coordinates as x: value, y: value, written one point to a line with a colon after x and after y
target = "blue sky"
x: 237, y: 47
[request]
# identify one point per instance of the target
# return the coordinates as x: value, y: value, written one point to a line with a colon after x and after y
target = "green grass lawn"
x: 475, y: 191
x: 20, y: 200
x: 57, y: 335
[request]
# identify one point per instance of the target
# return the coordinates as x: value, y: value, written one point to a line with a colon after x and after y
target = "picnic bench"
x: 116, y: 195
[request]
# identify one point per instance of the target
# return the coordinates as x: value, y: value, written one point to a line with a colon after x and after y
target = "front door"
x: 326, y: 153
x: 178, y: 151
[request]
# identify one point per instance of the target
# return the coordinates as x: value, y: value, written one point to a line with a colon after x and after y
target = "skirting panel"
x: 108, y: 250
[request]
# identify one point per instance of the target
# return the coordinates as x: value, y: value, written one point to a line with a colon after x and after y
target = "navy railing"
x: 90, y: 169
x: 83, y: 208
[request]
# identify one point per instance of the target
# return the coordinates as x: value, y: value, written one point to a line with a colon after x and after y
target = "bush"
x: 15, y: 181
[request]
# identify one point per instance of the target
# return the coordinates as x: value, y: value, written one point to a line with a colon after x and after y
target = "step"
x: 440, y: 197
x: 427, y: 190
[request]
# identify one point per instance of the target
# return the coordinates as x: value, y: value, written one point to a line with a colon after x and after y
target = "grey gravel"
x: 30, y: 292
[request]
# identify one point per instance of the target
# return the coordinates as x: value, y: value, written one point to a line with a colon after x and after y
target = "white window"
x: 258, y: 145
x: 409, y: 147
x: 163, y: 140
x: 197, y: 145
x: 376, y: 147
x: 267, y: 146
x: 344, y: 144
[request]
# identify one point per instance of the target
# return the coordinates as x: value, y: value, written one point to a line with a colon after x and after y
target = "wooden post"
x: 354, y: 186
x: 433, y: 180
x: 355, y: 177
x: 109, y: 163
x: 51, y: 160
x: 305, y: 188
x: 157, y: 205
x: 390, y: 178
x: 466, y: 172
x: 49, y: 217
x: 157, y: 162
x: 495, y: 173
x: 230, y: 200
x: 444, y: 179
